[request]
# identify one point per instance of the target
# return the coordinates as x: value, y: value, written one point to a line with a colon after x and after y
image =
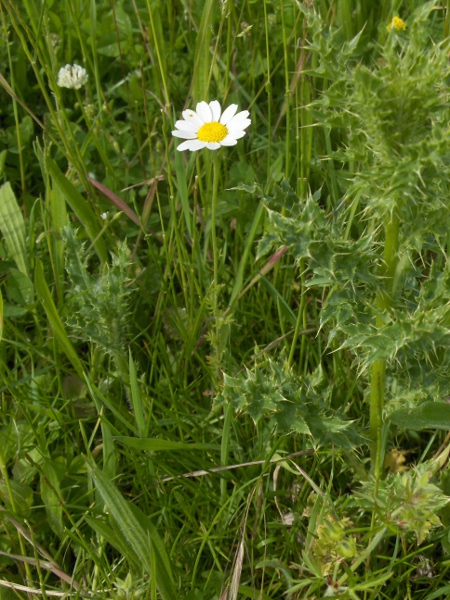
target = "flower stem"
x: 215, y: 250
x: 383, y: 303
x: 217, y: 363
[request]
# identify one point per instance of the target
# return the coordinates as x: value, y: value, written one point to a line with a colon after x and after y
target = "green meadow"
x: 224, y: 299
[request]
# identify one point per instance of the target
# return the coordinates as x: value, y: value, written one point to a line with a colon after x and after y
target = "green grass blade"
x: 180, y: 171
x: 203, y: 54
x: 237, y: 288
x: 157, y: 445
x: 1, y: 316
x: 12, y: 226
x: 136, y: 399
x: 79, y: 206
x: 55, y: 320
x: 115, y: 538
x: 51, y: 496
x: 139, y: 532
x: 439, y: 593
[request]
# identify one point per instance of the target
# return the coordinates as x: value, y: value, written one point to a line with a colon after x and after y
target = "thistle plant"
x: 381, y: 255
x: 400, y: 110
x: 99, y: 306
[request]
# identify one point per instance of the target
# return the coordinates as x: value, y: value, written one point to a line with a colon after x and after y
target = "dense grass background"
x: 283, y: 432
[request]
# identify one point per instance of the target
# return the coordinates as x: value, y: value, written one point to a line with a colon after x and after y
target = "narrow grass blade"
x: 444, y: 591
x: 364, y: 554
x: 180, y: 171
x: 58, y: 212
x: 249, y: 242
x: 203, y: 54
x: 284, y: 307
x: 12, y: 226
x: 116, y: 201
x: 136, y: 399
x: 51, y: 494
x: 265, y: 269
x: 139, y: 532
x: 1, y: 316
x: 79, y: 206
x: 55, y: 320
x: 157, y: 445
x: 115, y: 538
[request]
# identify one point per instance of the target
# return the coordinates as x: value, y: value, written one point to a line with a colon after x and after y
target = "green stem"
x: 301, y: 319
x: 228, y: 411
x: 383, y: 303
x: 215, y: 249
x: 225, y: 448
x: 268, y: 90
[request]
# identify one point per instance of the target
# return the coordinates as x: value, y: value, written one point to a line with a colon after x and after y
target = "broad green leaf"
x: 80, y: 207
x: 139, y: 533
x: 12, y: 226
x: 55, y: 320
x: 429, y: 415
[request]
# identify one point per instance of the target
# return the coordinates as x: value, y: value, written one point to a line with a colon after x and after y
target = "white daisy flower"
x: 72, y: 77
x: 209, y: 127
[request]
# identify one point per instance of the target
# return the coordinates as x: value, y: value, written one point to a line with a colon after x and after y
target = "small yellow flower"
x: 397, y: 24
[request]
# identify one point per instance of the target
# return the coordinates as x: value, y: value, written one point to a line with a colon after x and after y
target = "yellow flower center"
x: 397, y: 24
x: 212, y: 132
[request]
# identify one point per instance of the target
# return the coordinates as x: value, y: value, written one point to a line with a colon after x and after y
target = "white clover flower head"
x: 72, y: 77
x: 209, y: 127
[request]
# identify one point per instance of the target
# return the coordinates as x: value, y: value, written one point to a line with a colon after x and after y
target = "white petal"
x: 228, y: 114
x: 204, y: 112
x: 191, y: 145
x: 215, y: 109
x: 192, y: 117
x: 228, y: 142
x: 185, y: 135
x: 234, y: 136
x: 239, y: 126
x: 213, y: 145
x: 240, y: 117
x: 186, y: 126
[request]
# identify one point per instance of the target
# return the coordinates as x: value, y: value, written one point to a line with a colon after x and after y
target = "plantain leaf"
x: 12, y: 226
